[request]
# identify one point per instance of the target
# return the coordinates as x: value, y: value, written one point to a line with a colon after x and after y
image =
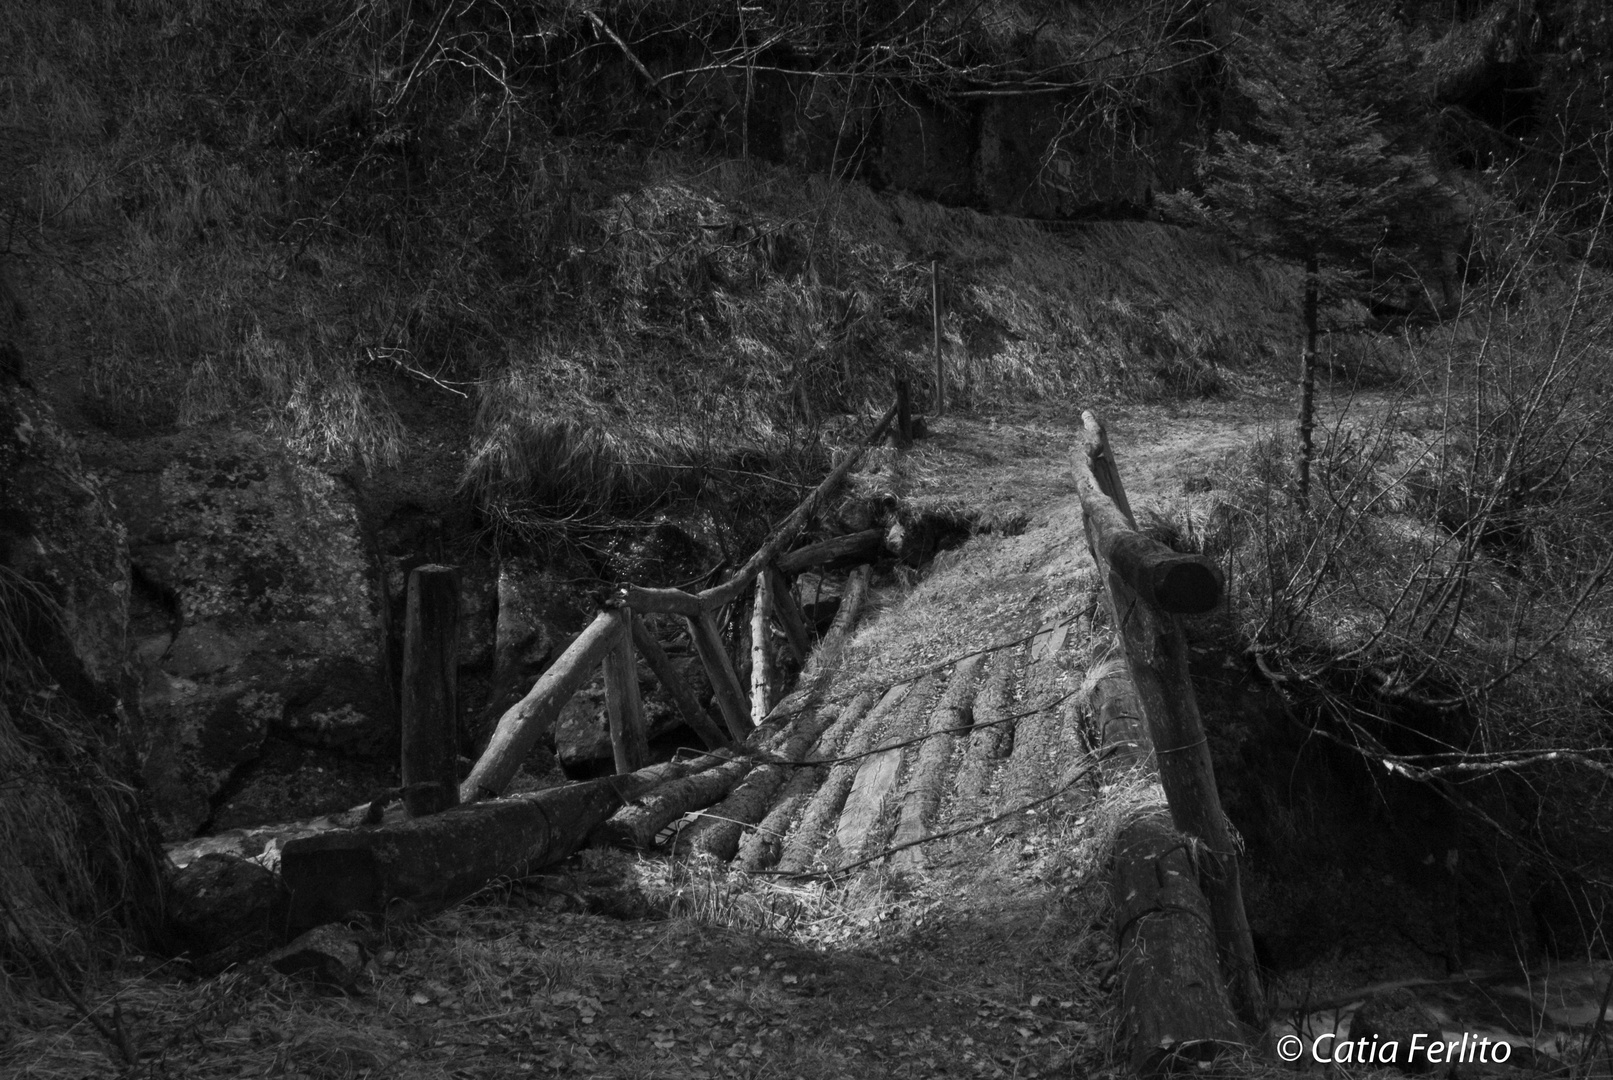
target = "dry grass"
x: 272, y: 268
x: 76, y: 866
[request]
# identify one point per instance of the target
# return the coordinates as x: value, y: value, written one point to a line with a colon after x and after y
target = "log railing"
x: 1173, y: 1001
x: 612, y: 636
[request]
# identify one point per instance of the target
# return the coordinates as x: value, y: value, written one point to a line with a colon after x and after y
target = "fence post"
x: 628, y: 741
x: 430, y: 702
x: 904, y: 411
x: 935, y: 311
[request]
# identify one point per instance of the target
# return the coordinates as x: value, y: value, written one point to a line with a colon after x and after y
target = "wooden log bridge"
x: 1175, y: 976
x: 368, y: 859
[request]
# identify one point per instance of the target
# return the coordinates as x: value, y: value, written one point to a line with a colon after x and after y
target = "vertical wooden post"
x: 761, y: 645
x: 935, y: 311
x: 628, y: 742
x: 430, y: 711
x: 904, y: 411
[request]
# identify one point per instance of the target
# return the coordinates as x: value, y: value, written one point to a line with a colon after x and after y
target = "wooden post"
x: 789, y: 616
x: 628, y: 743
x: 693, y: 715
x: 761, y: 646
x: 430, y: 698
x: 1135, y: 571
x: 904, y: 411
x: 720, y: 670
x: 935, y: 311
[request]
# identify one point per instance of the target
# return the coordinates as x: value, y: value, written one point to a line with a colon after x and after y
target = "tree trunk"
x: 824, y: 808
x: 1173, y: 1004
x: 638, y: 825
x: 430, y: 710
x: 718, y: 835
x: 431, y: 861
x: 1307, y: 385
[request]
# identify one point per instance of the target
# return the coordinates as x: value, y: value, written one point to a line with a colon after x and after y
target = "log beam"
x: 525, y: 722
x: 789, y: 617
x: 432, y: 861
x: 696, y: 717
x: 864, y: 546
x: 660, y: 601
x: 719, y: 666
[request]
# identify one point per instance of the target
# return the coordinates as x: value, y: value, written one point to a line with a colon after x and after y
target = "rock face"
x: 253, y: 613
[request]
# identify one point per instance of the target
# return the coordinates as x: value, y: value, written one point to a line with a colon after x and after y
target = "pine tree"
x: 1325, y: 179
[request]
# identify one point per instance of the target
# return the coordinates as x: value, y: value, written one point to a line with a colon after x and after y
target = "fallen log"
x: 923, y: 786
x: 525, y: 722
x: 433, y: 861
x: 1173, y: 1002
x: 718, y: 834
x: 863, y: 822
x: 858, y: 547
x: 762, y: 846
x: 637, y: 825
x: 824, y: 807
x: 990, y: 733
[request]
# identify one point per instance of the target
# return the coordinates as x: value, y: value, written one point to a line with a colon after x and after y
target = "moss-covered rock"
x: 255, y: 611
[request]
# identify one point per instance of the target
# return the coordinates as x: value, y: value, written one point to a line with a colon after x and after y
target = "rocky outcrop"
x: 254, y: 612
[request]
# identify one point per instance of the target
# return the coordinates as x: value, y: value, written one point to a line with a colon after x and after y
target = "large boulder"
x: 254, y: 611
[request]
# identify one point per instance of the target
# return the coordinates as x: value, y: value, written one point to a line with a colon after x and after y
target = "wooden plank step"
x: 824, y: 807
x: 866, y: 819
x: 922, y: 789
